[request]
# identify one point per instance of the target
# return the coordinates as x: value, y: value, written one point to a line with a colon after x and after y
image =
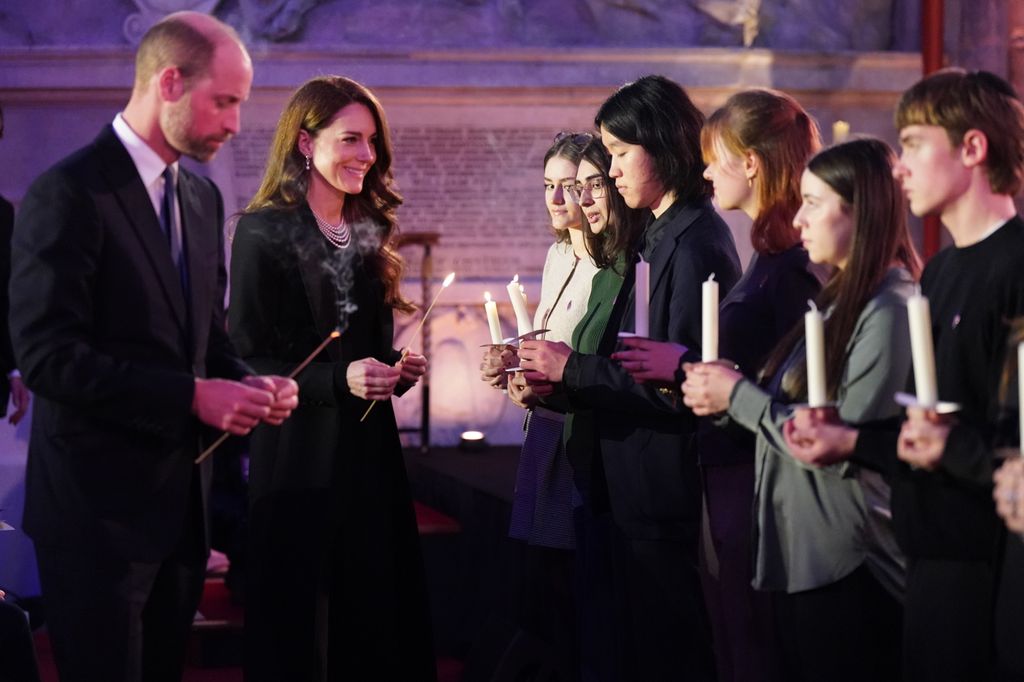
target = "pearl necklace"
x: 339, y: 234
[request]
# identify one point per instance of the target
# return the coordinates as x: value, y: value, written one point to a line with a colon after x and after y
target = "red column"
x: 931, y: 58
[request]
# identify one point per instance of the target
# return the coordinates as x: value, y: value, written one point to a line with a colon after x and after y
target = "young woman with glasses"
x: 543, y: 499
x: 611, y: 228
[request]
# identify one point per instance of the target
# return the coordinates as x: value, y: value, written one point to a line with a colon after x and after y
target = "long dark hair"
x: 312, y: 108
x: 625, y: 224
x: 860, y: 172
x: 776, y: 128
x: 657, y: 114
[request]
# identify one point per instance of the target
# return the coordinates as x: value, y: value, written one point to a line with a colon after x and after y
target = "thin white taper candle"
x: 709, y: 320
x: 814, y: 340
x: 920, y: 320
x: 642, y: 299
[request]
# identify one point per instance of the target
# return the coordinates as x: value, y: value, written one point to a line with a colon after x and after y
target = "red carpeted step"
x: 216, y: 607
x: 432, y: 522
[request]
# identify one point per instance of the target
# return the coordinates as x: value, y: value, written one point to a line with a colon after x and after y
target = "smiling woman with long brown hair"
x: 336, y: 585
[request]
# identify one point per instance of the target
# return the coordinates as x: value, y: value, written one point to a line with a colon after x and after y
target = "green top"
x: 579, y: 432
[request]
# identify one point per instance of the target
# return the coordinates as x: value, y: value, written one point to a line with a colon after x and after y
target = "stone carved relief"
x: 825, y: 25
x: 742, y: 13
x: 274, y: 20
x: 152, y: 11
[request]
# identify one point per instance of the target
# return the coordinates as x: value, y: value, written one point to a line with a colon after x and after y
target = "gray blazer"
x: 817, y: 525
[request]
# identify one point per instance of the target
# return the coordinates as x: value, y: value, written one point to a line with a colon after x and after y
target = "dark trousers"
x: 547, y: 606
x: 670, y: 636
x: 333, y: 600
x: 600, y: 617
x: 1009, y: 623
x: 115, y: 620
x: 742, y: 619
x: 17, y: 654
x: 848, y: 631
x: 948, y: 632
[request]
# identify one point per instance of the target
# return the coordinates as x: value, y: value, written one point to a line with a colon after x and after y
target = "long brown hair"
x: 625, y: 224
x: 860, y: 172
x: 286, y: 181
x: 783, y: 136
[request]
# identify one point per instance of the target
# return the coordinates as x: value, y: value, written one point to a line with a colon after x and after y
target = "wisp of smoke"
x: 341, y: 265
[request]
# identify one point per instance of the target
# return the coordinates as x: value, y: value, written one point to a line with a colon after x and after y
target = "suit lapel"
x: 126, y: 185
x: 312, y: 256
x: 679, y: 223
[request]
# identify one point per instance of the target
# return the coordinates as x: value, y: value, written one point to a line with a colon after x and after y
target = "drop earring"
x: 307, y: 163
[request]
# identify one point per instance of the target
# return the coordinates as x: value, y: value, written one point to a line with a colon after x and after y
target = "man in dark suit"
x: 117, y: 322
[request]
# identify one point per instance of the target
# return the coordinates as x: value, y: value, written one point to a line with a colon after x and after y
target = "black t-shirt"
x: 974, y: 294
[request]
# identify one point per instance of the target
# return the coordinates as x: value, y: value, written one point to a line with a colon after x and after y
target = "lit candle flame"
x: 447, y: 280
x: 487, y: 296
x: 516, y: 278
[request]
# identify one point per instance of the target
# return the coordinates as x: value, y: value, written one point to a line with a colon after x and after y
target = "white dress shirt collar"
x: 147, y: 162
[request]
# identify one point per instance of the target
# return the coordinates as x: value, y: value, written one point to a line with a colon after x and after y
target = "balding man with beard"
x: 117, y: 323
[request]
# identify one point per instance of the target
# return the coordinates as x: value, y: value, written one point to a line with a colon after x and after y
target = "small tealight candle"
x: 814, y: 340
x: 920, y: 319
x: 642, y: 299
x: 518, y: 298
x: 840, y: 132
x: 709, y: 320
x: 493, y: 321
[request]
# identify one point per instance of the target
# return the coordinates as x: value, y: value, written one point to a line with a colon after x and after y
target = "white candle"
x: 518, y: 298
x: 920, y: 319
x: 709, y: 320
x: 642, y: 299
x: 491, y: 308
x: 1020, y: 392
x: 814, y: 340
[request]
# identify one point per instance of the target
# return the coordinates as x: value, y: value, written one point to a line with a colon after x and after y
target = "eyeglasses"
x: 582, y: 139
x: 595, y: 187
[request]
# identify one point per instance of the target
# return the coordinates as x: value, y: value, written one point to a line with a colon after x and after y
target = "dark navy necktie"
x: 172, y: 228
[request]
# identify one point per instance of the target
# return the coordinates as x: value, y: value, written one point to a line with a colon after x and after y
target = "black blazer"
x: 289, y: 290
x: 108, y: 343
x: 646, y: 434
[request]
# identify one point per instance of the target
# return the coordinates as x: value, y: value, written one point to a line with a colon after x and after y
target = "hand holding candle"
x: 642, y: 299
x: 709, y: 320
x: 814, y: 340
x: 493, y: 322
x: 518, y: 298
x: 444, y: 285
x: 920, y: 320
